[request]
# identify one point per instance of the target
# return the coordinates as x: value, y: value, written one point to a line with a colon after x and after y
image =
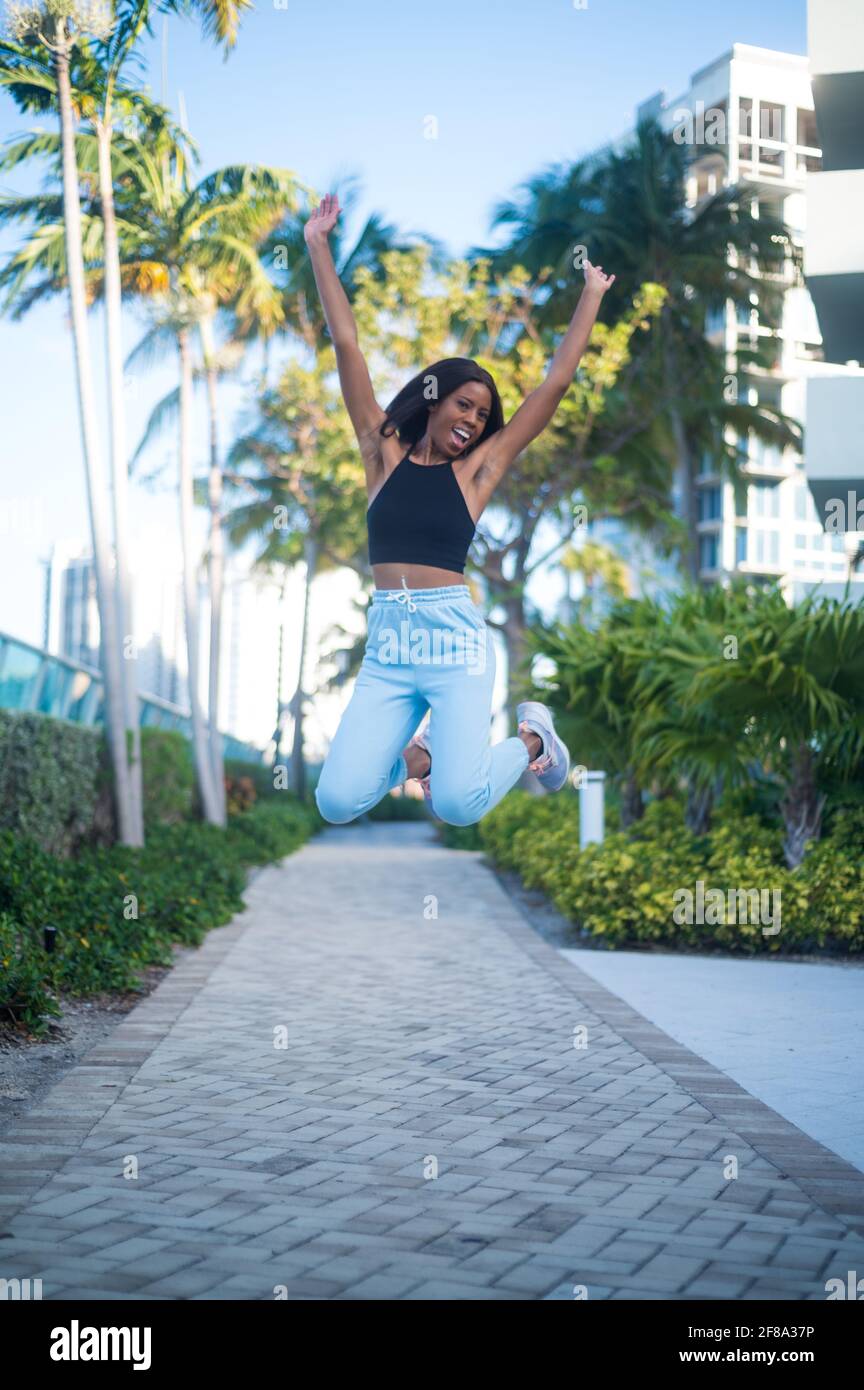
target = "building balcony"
x: 767, y: 464
x: 766, y: 567
x: 835, y: 428
x: 834, y: 261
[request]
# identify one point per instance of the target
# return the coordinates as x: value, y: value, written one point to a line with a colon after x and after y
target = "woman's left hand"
x: 595, y: 279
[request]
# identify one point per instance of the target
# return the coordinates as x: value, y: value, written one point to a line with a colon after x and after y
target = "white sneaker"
x: 552, y: 764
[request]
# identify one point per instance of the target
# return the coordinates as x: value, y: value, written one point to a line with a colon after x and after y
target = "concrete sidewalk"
x: 793, y: 1037
x: 367, y: 1087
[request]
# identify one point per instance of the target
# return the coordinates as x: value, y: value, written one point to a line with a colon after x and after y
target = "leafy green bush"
x: 121, y: 909
x: 24, y: 996
x: 51, y: 780
x: 459, y: 836
x: 626, y: 889
x: 399, y: 807
x: 168, y: 777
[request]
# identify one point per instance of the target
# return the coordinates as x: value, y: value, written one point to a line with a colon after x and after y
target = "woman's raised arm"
x: 540, y: 405
x: 365, y: 412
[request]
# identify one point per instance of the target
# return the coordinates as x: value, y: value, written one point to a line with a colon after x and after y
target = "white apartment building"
x: 750, y: 117
x: 834, y: 263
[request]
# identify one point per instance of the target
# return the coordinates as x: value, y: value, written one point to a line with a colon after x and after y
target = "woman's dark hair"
x: 408, y: 412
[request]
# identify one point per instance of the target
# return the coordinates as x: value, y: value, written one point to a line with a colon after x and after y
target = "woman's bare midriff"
x: 389, y: 576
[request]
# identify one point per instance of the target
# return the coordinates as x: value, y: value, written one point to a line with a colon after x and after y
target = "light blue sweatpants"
x: 425, y: 648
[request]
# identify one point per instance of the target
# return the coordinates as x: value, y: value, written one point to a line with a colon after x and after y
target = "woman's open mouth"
x: 460, y: 437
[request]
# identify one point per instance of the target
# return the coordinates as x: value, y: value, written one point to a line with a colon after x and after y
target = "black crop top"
x: 420, y: 517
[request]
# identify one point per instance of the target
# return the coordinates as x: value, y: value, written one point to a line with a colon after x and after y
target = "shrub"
x: 398, y: 806
x: 623, y: 891
x: 259, y: 774
x: 168, y: 777
x: 459, y: 836
x: 25, y: 999
x: 50, y: 780
x: 121, y: 909
x: 240, y: 794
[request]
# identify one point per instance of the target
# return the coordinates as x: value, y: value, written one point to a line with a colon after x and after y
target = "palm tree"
x: 302, y: 431
x: 796, y: 692
x: 37, y: 72
x: 191, y: 250
x: 593, y: 691
x: 107, y: 101
x: 291, y: 463
x: 629, y: 209
x: 100, y: 94
x: 672, y: 734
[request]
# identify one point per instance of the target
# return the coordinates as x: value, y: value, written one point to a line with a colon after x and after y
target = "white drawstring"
x: 405, y: 597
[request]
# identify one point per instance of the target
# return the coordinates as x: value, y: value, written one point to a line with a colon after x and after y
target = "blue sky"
x: 333, y: 88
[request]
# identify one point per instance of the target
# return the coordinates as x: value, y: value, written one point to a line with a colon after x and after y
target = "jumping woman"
x: 433, y: 460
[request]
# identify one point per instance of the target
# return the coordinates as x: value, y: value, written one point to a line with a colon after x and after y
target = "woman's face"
x: 457, y: 422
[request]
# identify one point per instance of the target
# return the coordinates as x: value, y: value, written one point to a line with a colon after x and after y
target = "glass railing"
x: 35, y: 680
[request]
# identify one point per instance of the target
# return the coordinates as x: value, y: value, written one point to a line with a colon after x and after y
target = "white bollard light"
x: 591, y: 801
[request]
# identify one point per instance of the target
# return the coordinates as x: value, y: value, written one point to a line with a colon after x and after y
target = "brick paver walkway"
x: 427, y: 1130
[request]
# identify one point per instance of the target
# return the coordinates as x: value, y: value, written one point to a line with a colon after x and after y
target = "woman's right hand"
x: 322, y: 220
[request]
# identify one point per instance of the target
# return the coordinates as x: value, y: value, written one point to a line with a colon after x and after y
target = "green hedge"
x: 623, y: 891
x: 120, y: 909
x: 54, y: 782
x: 168, y: 778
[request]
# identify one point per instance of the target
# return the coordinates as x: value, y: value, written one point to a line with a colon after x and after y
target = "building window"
x: 808, y: 135
x: 809, y: 163
x: 801, y: 496
x: 740, y: 545
x: 764, y: 455
x: 708, y: 552
x: 745, y: 118
x: 770, y: 160
x: 710, y: 508
x: 766, y: 546
x: 800, y: 540
x: 764, y: 499
x: 770, y: 121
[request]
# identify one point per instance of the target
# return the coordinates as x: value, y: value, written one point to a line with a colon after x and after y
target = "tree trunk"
x: 280, y: 703
x: 515, y: 647
x: 119, y: 471
x: 801, y: 806
x: 632, y: 805
x: 216, y: 563
x: 298, y: 767
x: 700, y: 803
x: 110, y: 657
x: 209, y: 801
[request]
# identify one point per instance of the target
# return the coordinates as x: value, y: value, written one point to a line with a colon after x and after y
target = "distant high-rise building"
x: 253, y: 608
x: 70, y: 625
